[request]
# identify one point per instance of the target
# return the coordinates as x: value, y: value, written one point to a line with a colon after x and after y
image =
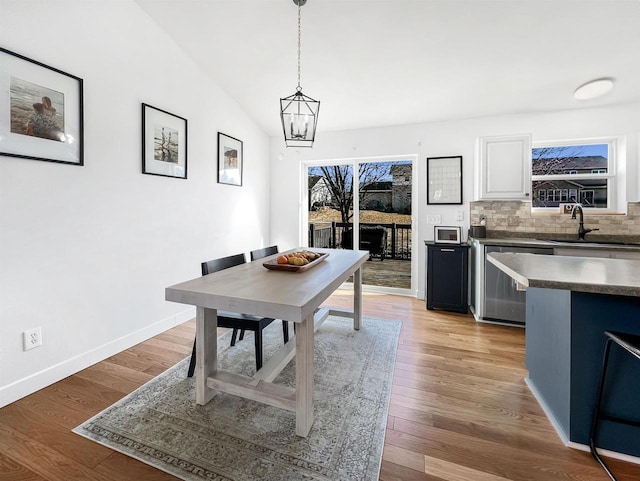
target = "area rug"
x: 237, y: 439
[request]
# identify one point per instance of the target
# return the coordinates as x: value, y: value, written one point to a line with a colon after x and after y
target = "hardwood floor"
x: 460, y: 410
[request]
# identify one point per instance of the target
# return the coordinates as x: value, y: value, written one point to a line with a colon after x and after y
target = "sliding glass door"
x: 377, y: 219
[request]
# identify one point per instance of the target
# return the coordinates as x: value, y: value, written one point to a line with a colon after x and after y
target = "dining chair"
x: 237, y: 321
x: 259, y: 254
x: 264, y: 252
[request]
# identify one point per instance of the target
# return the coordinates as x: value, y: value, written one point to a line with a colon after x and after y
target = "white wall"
x: 86, y: 252
x: 441, y: 139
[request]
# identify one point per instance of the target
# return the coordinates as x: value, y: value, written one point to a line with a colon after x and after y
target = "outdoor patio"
x: 387, y: 273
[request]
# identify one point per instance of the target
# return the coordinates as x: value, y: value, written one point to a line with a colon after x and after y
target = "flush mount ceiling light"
x: 593, y: 89
x: 299, y: 113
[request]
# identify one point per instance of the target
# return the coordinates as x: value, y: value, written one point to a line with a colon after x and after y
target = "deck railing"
x: 330, y: 235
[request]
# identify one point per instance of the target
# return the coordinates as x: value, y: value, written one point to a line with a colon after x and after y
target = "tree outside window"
x: 570, y: 173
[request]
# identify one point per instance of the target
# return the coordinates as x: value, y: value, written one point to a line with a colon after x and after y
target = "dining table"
x: 291, y: 295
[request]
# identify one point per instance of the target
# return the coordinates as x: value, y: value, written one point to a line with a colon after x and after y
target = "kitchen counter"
x: 570, y: 302
x: 493, y: 296
x: 619, y: 245
x: 578, y: 274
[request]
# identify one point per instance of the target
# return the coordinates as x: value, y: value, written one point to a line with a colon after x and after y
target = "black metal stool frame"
x: 631, y: 344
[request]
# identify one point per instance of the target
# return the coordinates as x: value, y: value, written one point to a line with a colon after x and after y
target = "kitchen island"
x: 570, y: 302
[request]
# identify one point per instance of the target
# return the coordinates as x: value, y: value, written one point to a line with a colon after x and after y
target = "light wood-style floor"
x: 460, y: 410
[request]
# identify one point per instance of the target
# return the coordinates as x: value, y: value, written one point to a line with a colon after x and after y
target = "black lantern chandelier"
x: 299, y: 113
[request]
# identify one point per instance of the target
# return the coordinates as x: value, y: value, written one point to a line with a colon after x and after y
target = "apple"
x: 282, y: 260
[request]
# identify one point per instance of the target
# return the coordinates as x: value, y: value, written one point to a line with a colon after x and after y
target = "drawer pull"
x: 447, y: 250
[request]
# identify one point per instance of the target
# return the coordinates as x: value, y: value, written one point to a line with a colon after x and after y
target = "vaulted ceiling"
x: 376, y: 63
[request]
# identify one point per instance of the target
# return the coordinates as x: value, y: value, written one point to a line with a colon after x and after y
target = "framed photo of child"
x: 229, y: 160
x: 41, y: 111
x: 164, y: 143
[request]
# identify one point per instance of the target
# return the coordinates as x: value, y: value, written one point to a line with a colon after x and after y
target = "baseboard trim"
x: 565, y: 439
x: 556, y: 425
x: 36, y: 381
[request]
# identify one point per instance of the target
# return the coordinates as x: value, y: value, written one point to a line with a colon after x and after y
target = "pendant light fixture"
x: 299, y: 113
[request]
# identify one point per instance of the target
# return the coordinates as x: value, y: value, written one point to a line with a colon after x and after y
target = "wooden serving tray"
x: 274, y: 266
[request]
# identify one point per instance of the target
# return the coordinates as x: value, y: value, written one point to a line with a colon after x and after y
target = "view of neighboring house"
x: 590, y: 192
x: 401, y: 188
x: 319, y: 192
x: 380, y: 195
x: 376, y: 196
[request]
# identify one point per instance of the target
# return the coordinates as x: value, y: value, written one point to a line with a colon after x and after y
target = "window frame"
x: 610, y: 176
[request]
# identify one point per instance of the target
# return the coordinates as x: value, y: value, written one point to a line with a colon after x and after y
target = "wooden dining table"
x: 292, y: 296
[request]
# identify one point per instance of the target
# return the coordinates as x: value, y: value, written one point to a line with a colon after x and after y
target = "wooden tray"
x: 274, y: 266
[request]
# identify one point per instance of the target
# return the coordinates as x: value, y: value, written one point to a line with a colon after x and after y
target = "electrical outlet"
x: 434, y: 219
x: 566, y: 208
x: 513, y: 221
x: 459, y: 215
x: 32, y: 338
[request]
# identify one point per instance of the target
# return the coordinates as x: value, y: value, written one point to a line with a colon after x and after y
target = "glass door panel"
x: 377, y: 220
x: 384, y: 217
x: 330, y: 203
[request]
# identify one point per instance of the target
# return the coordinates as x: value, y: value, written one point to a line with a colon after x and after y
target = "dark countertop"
x: 581, y: 274
x: 619, y: 243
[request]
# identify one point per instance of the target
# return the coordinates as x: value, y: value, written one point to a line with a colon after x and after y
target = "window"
x: 573, y: 172
x: 573, y: 194
x: 587, y: 198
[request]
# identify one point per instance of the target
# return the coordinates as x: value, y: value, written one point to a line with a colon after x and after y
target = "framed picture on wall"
x: 164, y: 143
x: 229, y: 160
x: 40, y: 111
x: 444, y: 180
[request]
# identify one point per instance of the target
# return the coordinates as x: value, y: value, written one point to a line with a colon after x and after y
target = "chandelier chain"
x: 299, y: 43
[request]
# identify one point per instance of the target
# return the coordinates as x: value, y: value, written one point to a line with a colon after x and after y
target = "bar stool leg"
x: 596, y: 411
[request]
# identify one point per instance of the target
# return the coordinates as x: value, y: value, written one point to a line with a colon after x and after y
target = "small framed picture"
x: 444, y: 180
x: 40, y: 111
x: 164, y: 143
x: 229, y: 160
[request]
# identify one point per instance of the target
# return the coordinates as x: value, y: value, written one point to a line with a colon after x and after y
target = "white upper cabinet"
x: 504, y: 167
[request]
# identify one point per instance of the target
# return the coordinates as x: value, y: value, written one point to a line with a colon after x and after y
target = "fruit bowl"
x: 297, y: 261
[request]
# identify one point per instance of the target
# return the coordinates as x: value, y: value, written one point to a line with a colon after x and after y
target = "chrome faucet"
x: 582, y: 231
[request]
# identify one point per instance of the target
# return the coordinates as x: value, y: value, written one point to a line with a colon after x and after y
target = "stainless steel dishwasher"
x: 502, y: 300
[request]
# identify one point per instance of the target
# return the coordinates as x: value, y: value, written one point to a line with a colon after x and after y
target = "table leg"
x: 304, y: 376
x: 206, y: 352
x: 357, y: 298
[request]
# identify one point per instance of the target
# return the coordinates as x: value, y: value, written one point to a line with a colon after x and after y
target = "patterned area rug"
x: 239, y: 440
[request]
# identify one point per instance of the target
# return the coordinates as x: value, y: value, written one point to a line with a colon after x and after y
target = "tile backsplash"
x: 514, y: 218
